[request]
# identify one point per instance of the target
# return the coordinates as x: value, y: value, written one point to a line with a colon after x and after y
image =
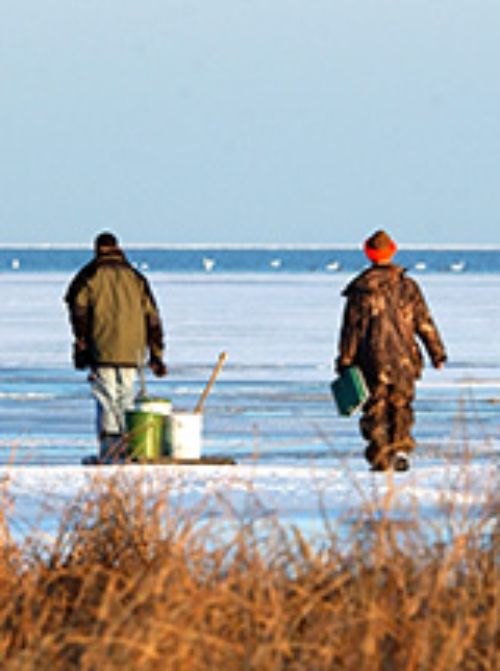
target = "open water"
x: 250, y: 259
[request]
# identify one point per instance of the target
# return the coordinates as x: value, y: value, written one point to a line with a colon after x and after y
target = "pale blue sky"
x: 258, y: 121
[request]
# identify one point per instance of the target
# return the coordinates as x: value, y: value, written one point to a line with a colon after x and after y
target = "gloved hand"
x: 158, y: 367
x: 339, y: 366
x: 81, y: 355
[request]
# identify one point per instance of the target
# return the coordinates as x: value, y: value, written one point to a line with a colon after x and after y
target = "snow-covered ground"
x: 271, y: 407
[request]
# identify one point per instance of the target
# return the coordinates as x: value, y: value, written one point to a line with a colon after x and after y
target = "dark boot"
x: 111, y: 448
x: 400, y: 462
x: 402, y: 449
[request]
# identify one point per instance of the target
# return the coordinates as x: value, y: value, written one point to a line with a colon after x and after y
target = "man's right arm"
x: 427, y: 330
x: 154, y: 334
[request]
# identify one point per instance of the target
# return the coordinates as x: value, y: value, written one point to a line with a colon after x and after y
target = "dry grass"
x: 131, y: 584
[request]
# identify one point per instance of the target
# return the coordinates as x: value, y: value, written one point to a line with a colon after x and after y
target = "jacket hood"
x: 110, y: 254
x: 374, y: 279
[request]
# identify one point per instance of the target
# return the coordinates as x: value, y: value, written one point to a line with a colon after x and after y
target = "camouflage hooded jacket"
x: 113, y: 312
x: 384, y: 312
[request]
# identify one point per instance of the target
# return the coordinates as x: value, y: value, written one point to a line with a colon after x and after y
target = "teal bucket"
x: 145, y: 431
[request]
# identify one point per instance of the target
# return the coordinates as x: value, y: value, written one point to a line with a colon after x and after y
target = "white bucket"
x: 157, y: 406
x: 183, y: 435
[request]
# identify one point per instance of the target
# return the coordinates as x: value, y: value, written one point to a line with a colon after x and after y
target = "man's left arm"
x: 154, y: 334
x: 350, y: 333
x: 78, y: 308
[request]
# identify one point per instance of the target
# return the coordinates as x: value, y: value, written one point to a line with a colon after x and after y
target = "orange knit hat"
x: 379, y: 247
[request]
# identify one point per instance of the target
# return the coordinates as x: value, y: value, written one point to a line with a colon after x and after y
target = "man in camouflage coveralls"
x: 384, y: 312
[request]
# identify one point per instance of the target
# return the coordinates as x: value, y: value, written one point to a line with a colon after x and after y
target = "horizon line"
x: 452, y: 246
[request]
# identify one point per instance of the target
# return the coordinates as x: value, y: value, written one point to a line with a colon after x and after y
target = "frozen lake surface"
x: 271, y: 408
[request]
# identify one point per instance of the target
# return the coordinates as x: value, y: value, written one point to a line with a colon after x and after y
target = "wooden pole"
x: 201, y: 402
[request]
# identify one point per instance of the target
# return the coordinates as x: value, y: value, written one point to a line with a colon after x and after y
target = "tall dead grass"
x: 131, y: 583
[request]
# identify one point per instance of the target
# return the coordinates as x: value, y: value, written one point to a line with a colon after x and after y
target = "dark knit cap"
x: 105, y: 239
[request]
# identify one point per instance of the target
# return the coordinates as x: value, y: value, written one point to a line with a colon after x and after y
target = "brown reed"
x: 133, y: 583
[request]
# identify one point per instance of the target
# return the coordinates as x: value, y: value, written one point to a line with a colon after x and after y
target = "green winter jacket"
x: 384, y: 315
x: 113, y: 313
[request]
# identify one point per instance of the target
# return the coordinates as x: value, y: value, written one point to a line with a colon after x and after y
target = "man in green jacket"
x: 115, y: 322
x: 384, y: 313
